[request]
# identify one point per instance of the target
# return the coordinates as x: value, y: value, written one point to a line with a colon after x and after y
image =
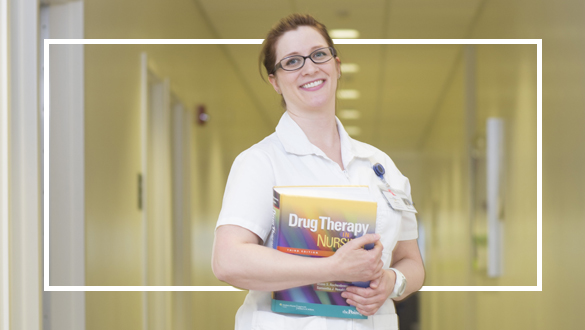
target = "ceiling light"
x: 349, y: 114
x: 353, y: 130
x: 344, y: 34
x: 348, y: 94
x: 349, y: 68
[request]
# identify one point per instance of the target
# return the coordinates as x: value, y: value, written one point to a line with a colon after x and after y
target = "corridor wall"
x: 559, y: 26
x: 114, y: 242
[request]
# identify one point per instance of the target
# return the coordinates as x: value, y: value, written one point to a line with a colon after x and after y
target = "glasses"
x: 296, y: 62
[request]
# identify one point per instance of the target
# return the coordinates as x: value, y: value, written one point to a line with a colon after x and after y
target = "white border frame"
x: 537, y: 42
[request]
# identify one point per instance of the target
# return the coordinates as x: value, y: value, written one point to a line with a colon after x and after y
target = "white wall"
x: 24, y: 203
x: 4, y: 156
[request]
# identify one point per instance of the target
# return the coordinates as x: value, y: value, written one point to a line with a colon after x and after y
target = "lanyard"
x: 398, y: 200
x: 380, y: 171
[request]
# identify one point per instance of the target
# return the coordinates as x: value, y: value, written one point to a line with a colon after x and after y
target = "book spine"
x: 276, y: 218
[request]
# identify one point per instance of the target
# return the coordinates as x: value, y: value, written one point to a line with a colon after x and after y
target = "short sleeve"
x: 408, y: 223
x: 408, y: 227
x: 247, y: 201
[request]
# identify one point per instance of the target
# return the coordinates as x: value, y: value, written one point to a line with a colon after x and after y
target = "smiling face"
x: 313, y: 86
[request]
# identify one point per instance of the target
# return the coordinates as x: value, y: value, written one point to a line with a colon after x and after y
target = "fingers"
x: 352, y: 290
x: 378, y: 245
x: 379, y: 264
x: 367, y: 310
x: 355, y: 301
x: 373, y: 267
x: 375, y: 283
x: 364, y: 305
x: 378, y: 248
x: 364, y: 240
x: 368, y: 300
x: 358, y: 264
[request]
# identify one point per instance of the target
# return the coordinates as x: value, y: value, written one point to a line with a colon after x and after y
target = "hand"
x: 353, y: 263
x: 368, y: 300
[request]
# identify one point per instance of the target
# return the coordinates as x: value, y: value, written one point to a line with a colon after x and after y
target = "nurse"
x: 311, y: 147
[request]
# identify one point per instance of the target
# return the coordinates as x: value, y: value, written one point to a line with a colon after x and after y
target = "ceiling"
x: 397, y: 83
x: 401, y: 86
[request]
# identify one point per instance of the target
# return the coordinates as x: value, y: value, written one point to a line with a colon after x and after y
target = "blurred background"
x: 142, y: 138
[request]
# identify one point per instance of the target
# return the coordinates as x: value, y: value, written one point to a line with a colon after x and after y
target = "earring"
x: 339, y: 77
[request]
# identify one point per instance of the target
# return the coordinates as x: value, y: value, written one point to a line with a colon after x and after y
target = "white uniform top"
x: 287, y: 158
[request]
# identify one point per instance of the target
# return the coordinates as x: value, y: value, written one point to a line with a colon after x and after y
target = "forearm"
x: 240, y: 260
x: 256, y: 267
x: 414, y: 272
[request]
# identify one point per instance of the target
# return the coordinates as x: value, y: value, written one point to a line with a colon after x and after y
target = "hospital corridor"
x: 120, y: 121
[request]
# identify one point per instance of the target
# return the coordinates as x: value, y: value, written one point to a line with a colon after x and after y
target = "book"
x: 315, y: 221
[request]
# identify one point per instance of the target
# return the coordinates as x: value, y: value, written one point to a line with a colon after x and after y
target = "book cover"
x: 315, y: 222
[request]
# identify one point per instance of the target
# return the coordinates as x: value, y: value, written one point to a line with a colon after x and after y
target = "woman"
x: 310, y: 147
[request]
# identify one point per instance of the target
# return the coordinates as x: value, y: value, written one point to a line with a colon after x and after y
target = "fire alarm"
x: 202, y: 116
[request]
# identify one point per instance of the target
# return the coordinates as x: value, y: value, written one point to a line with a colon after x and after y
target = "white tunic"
x: 287, y: 158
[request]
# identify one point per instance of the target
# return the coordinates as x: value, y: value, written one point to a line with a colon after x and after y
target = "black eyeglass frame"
x: 278, y: 65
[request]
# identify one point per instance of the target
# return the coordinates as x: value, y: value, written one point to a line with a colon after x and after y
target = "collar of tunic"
x: 296, y: 142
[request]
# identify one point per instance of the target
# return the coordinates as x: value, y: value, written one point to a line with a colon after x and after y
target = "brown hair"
x: 288, y: 23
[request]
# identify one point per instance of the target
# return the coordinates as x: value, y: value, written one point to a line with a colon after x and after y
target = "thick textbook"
x: 315, y: 221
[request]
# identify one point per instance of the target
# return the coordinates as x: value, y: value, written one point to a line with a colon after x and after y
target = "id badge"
x: 397, y: 200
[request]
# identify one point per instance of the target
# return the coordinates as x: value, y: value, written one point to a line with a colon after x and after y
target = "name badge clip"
x: 397, y: 199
